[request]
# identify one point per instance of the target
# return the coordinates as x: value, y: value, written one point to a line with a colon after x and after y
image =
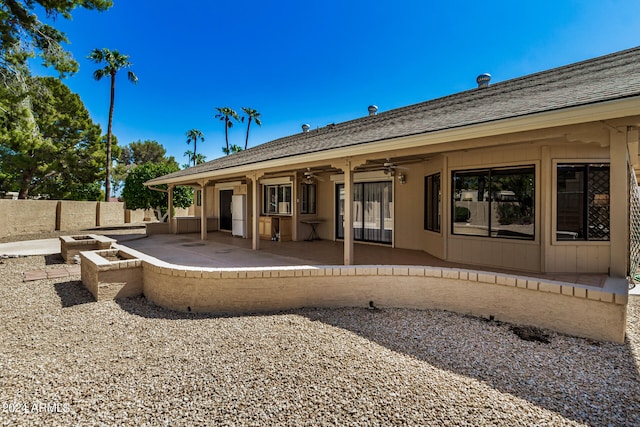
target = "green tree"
x: 25, y: 36
x: 20, y: 142
x: 137, y: 196
x: 251, y: 115
x: 61, y: 152
x: 137, y: 153
x: 141, y: 152
x: 115, y: 61
x: 226, y: 114
x: 194, y: 135
x: 232, y: 149
x: 200, y: 158
x: 89, y: 191
x: 80, y: 158
x: 22, y: 36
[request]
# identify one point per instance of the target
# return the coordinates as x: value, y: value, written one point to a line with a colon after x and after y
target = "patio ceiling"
x: 376, y: 163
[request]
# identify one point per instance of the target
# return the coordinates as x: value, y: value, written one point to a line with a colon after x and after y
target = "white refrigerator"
x: 239, y: 215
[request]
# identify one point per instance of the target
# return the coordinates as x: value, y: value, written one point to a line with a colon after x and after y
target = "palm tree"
x: 251, y: 115
x: 193, y: 135
x: 225, y: 115
x: 190, y: 157
x: 200, y: 158
x: 231, y: 150
x: 197, y: 158
x: 115, y: 61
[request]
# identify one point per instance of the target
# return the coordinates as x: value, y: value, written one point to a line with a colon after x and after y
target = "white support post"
x: 170, y: 209
x: 348, y: 214
x: 619, y: 204
x: 255, y: 217
x: 203, y: 210
x: 545, y: 195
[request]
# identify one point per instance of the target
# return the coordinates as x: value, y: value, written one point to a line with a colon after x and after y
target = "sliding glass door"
x: 372, y: 211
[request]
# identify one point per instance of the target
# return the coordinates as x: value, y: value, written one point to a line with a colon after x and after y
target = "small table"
x: 313, y: 235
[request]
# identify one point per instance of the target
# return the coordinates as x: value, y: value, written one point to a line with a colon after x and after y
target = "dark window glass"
x: 432, y: 202
x: 496, y: 202
x: 270, y: 199
x: 308, y: 199
x: 372, y: 211
x: 582, y: 202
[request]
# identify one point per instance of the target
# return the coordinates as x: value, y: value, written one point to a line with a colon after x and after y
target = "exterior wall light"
x: 402, y: 178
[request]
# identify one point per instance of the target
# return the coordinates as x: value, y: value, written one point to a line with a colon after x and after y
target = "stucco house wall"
x: 544, y: 253
x: 541, y: 150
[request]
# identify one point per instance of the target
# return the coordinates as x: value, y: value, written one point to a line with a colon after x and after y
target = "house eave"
x: 601, y: 111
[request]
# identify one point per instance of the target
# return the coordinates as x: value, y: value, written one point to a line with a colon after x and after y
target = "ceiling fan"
x: 309, y: 177
x: 390, y: 167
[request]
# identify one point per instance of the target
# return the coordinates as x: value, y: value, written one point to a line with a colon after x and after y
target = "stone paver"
x: 51, y: 273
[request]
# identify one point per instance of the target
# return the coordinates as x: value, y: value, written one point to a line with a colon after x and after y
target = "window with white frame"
x: 277, y: 199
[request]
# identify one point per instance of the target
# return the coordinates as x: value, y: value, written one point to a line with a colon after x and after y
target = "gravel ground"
x: 66, y: 360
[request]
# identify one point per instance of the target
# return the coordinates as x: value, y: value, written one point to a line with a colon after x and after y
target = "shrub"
x: 462, y: 214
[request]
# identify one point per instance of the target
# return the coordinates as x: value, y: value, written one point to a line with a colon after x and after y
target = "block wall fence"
x: 38, y: 216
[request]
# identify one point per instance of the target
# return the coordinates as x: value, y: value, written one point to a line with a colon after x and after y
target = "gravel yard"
x: 66, y: 360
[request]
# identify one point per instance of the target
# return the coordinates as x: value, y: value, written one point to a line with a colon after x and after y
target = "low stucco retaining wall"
x: 572, y: 309
x: 109, y: 280
x: 157, y: 228
x: 181, y: 225
x: 70, y: 246
x: 543, y: 304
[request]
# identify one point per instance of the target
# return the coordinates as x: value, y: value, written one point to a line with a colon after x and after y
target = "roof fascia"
x: 570, y: 116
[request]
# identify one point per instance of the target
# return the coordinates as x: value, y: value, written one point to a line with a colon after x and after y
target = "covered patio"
x: 511, y: 201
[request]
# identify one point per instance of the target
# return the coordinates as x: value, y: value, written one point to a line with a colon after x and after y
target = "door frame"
x: 228, y: 192
x: 338, y: 217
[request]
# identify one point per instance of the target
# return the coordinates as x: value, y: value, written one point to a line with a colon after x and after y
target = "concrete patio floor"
x: 221, y: 250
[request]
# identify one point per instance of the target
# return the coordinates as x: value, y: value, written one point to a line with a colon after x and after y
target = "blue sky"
x: 319, y: 62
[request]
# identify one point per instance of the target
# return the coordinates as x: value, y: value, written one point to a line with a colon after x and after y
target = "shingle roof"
x: 601, y: 79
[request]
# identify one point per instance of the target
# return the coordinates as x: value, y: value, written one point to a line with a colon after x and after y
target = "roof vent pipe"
x: 483, y: 80
x: 373, y: 110
x: 306, y: 127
